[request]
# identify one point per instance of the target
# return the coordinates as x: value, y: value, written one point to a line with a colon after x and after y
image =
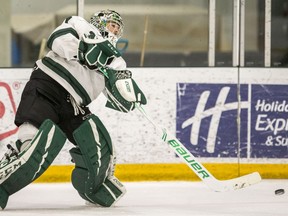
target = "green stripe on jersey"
x: 59, y: 33
x: 65, y: 74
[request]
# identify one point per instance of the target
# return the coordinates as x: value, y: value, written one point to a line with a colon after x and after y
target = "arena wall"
x: 234, y: 120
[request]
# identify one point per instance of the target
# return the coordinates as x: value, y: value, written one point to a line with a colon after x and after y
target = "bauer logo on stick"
x: 184, y: 153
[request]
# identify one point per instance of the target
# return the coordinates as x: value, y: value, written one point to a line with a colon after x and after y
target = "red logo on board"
x: 7, y: 111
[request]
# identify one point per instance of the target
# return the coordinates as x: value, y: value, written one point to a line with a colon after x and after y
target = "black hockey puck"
x: 279, y: 191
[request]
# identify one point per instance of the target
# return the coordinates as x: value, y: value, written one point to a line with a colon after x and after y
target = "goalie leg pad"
x: 32, y: 161
x: 104, y: 194
x: 92, y: 161
x: 95, y: 148
x: 108, y: 193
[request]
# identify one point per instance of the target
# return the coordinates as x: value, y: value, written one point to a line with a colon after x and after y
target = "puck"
x: 279, y: 191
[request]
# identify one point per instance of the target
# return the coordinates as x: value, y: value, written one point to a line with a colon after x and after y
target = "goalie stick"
x: 215, y: 184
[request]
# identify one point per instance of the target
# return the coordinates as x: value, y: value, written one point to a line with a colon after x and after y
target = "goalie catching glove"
x: 122, y: 91
x: 95, y: 55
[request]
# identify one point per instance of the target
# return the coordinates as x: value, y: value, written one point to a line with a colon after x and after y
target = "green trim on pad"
x: 172, y: 172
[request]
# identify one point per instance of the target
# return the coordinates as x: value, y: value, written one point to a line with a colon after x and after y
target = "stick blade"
x: 239, y: 183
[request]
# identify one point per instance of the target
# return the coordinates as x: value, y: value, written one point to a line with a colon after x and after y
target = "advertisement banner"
x: 269, y: 121
x: 212, y: 121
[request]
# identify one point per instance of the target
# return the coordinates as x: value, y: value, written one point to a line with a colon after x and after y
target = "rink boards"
x: 234, y: 120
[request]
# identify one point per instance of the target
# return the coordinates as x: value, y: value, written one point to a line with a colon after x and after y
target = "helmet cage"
x: 102, y: 18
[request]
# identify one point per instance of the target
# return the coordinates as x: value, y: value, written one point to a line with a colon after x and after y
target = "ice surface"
x: 154, y: 199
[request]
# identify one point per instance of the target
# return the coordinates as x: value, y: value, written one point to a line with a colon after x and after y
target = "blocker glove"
x: 122, y: 91
x: 95, y: 55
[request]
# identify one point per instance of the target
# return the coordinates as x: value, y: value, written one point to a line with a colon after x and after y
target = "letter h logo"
x: 207, y: 116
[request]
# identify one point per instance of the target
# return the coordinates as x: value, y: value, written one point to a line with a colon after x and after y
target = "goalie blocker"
x: 122, y: 91
x: 21, y: 169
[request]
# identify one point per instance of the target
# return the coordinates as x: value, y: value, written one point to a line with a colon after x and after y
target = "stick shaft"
x: 197, y: 167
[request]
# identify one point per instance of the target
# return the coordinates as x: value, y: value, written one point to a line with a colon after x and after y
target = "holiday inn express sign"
x: 211, y: 120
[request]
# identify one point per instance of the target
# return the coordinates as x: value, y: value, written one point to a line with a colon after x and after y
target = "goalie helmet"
x: 105, y: 21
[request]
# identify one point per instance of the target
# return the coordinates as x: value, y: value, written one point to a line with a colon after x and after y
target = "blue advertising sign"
x: 207, y: 116
x: 269, y: 121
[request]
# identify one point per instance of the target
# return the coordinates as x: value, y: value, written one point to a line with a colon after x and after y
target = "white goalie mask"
x: 109, y: 23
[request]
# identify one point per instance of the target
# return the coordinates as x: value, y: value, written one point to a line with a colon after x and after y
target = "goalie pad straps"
x: 31, y: 162
x: 92, y: 162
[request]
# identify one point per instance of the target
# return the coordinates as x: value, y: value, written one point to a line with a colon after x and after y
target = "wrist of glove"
x: 97, y: 54
x: 122, y: 91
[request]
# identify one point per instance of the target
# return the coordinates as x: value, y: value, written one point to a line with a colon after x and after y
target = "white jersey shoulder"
x: 83, y: 28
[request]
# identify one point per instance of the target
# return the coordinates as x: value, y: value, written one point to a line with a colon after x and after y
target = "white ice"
x: 154, y: 199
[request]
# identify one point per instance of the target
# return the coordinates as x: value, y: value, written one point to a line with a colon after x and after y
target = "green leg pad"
x: 31, y: 162
x: 3, y: 197
x: 85, y: 180
x: 95, y: 147
x: 82, y: 179
x: 92, y: 160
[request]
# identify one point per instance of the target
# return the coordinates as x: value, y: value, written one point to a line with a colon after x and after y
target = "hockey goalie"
x: 82, y: 63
